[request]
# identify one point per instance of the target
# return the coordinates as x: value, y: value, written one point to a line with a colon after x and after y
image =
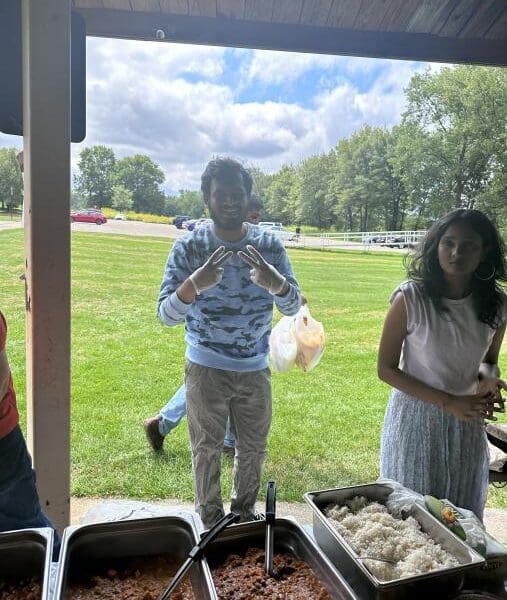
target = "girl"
x: 439, y: 350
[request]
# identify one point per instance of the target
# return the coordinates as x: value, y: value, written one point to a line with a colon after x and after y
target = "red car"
x: 88, y: 215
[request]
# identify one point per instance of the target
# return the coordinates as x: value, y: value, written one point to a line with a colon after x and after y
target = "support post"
x: 46, y: 131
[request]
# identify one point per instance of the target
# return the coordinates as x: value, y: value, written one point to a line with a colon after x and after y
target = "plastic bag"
x: 310, y: 339
x: 402, y: 498
x: 283, y: 346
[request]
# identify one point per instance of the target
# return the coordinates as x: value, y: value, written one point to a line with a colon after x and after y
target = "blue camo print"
x: 232, y: 321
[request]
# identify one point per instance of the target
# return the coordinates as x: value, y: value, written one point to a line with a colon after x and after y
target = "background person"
x: 170, y: 416
x: 439, y: 350
x: 19, y: 502
x: 222, y: 281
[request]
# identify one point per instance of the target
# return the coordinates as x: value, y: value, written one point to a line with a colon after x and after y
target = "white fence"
x: 359, y: 240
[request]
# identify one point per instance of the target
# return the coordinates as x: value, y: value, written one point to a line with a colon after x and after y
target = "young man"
x: 19, y: 502
x: 222, y: 281
x: 170, y: 416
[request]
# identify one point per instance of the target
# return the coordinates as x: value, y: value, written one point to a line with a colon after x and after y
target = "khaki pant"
x: 211, y: 395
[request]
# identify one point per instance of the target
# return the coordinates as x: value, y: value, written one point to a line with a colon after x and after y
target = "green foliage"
x: 449, y: 151
x: 11, y: 181
x: 458, y: 116
x: 187, y: 202
x: 122, y: 198
x: 142, y: 177
x: 94, y: 179
x: 125, y: 366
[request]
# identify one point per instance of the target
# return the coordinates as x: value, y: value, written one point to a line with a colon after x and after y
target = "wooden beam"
x: 430, y: 15
x: 499, y: 27
x: 259, y: 10
x: 398, y: 15
x: 315, y: 12
x: 178, y: 7
x: 202, y: 8
x: 293, y: 38
x: 287, y: 11
x: 483, y: 18
x: 46, y: 124
x: 459, y: 17
x: 371, y: 14
x: 231, y: 9
x: 145, y: 5
x: 343, y: 13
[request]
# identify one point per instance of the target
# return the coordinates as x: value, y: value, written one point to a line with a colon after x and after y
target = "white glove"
x: 211, y: 272
x: 262, y: 273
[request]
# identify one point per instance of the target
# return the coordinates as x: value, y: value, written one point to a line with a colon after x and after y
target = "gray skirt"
x: 432, y: 452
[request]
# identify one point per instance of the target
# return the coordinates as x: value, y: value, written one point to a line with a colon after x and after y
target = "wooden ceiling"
x: 443, y: 30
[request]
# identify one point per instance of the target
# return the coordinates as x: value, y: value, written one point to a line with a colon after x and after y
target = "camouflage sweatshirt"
x: 228, y: 326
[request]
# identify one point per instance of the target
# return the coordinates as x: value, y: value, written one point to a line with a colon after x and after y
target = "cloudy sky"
x: 181, y: 104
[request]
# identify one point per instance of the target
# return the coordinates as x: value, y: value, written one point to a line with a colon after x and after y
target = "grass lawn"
x: 326, y: 424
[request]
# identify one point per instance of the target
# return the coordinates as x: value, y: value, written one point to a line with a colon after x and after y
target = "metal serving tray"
x: 175, y: 535
x: 289, y: 537
x: 27, y: 553
x: 440, y: 583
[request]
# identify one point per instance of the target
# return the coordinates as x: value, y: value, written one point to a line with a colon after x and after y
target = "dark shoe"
x: 228, y: 450
x: 155, y: 440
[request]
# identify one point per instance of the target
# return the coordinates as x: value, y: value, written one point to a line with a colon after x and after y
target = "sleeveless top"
x: 445, y: 349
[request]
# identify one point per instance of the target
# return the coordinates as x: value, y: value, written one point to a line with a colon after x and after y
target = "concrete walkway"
x: 86, y: 509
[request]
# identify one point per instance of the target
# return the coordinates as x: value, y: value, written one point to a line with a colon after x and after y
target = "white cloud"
x: 141, y: 100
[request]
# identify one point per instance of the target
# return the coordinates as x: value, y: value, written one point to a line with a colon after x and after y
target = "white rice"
x: 371, y: 531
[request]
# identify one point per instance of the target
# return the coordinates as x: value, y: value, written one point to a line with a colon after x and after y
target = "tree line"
x: 448, y: 151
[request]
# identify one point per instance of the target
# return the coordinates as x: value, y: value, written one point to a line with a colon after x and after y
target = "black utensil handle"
x: 271, y: 502
x: 198, y: 550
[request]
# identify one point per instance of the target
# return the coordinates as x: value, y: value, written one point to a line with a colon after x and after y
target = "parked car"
x: 120, y: 217
x: 194, y: 223
x: 398, y: 242
x: 88, y: 215
x: 284, y: 234
x: 270, y: 224
x: 375, y: 239
x: 180, y: 219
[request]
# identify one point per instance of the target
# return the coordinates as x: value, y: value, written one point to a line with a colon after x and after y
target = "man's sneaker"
x: 228, y: 450
x: 155, y: 440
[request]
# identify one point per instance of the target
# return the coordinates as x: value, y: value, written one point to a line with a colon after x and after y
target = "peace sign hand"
x: 211, y: 272
x: 262, y: 273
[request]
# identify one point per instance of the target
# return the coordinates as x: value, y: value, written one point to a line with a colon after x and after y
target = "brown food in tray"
x: 23, y: 590
x: 244, y: 578
x: 139, y: 578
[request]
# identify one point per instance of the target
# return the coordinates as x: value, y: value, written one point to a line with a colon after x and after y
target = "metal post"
x: 46, y: 118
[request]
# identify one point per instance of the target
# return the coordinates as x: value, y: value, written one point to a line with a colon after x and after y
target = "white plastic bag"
x: 282, y: 345
x: 310, y: 339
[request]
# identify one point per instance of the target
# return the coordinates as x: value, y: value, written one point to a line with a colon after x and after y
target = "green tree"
x: 189, y: 202
x: 261, y: 182
x: 282, y: 195
x: 94, y: 180
x: 315, y: 205
x: 121, y: 198
x: 142, y: 177
x: 11, y: 181
x: 369, y: 192
x: 461, y: 114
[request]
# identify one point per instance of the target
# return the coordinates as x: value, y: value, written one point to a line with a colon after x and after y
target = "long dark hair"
x: 424, y: 268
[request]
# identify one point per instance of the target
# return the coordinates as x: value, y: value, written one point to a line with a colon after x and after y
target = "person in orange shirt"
x: 19, y: 502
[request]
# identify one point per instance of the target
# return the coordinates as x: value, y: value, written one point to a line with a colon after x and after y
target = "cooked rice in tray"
x: 371, y: 531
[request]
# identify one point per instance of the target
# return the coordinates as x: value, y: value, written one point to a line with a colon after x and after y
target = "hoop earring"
x: 492, y: 274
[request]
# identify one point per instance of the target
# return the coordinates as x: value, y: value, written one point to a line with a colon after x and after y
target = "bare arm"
x: 489, y: 373
x: 394, y: 332
x: 5, y: 374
